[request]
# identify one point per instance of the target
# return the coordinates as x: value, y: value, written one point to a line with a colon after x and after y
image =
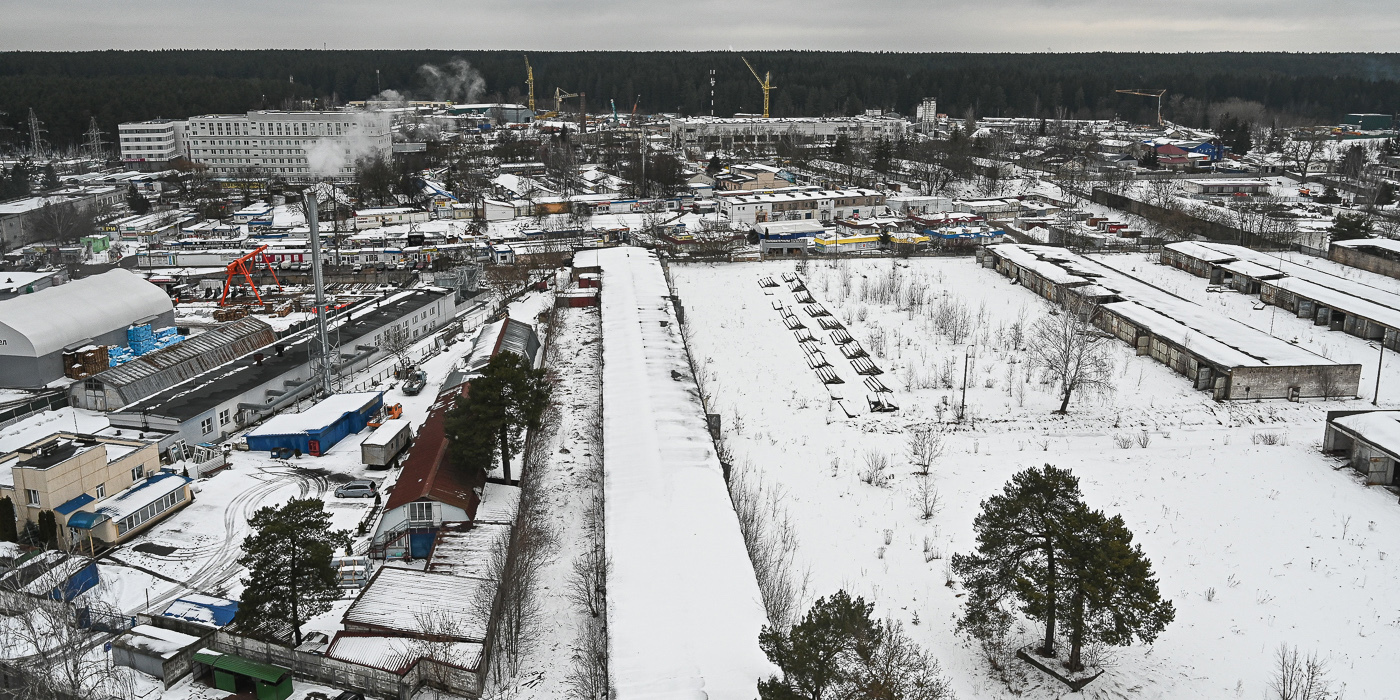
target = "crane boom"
x: 530, y: 82
x: 238, y: 268
x: 1148, y: 93
x: 766, y: 82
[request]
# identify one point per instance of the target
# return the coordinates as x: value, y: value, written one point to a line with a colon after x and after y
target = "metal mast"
x: 530, y: 81
x: 766, y: 82
x: 94, y: 139
x: 36, y: 134
x: 324, y: 356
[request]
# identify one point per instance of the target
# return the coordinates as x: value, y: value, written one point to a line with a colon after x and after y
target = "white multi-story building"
x: 294, y: 145
x: 801, y: 203
x: 758, y: 134
x: 151, y: 144
x: 927, y: 114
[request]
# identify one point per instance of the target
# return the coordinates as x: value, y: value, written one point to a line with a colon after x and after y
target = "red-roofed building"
x: 429, y: 492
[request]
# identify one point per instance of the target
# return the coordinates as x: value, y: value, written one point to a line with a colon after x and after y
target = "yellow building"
x: 102, y: 490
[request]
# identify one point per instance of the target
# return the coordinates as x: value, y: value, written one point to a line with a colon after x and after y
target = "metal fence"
x: 44, y: 402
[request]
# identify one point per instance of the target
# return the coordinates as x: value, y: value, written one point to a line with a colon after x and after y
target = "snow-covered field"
x: 1256, y: 544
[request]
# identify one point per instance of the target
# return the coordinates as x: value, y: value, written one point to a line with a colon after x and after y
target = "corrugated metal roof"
x: 159, y: 370
x: 242, y: 666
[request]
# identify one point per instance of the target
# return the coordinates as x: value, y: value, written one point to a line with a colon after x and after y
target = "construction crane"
x: 530, y: 83
x: 560, y: 96
x: 1148, y: 93
x: 765, y: 82
x: 238, y: 268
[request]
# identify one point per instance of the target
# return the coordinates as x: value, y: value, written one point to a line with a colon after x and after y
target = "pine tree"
x: 290, y: 576
x: 135, y: 201
x: 813, y: 655
x: 1385, y: 194
x: 9, y: 531
x: 50, y: 178
x: 501, y: 406
x: 1017, y: 562
x: 1350, y: 226
x: 20, y: 179
x: 48, y: 530
x: 1112, y: 593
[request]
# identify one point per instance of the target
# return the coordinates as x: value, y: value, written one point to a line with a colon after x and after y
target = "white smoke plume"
x: 456, y: 81
x: 329, y: 157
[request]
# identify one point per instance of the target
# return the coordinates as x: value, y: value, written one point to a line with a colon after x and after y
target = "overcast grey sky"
x: 873, y: 25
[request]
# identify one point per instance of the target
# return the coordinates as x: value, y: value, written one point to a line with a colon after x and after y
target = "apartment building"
x: 101, y: 490
x: 151, y: 144
x: 798, y: 203
x: 294, y: 145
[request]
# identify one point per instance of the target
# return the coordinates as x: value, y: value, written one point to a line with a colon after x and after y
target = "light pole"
x: 1380, y: 362
x: 967, y: 360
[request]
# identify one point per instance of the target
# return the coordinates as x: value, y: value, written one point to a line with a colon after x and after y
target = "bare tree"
x: 924, y: 446
x: 53, y: 649
x: 926, y: 497
x: 1299, y: 678
x: 771, y: 539
x: 64, y: 222
x: 1072, y: 351
x: 1302, y: 149
x: 398, y: 342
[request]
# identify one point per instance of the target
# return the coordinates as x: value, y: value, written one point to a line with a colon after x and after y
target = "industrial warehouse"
x: 1220, y: 355
x: 1339, y: 303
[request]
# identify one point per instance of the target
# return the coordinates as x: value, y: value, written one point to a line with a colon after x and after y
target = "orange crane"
x: 239, y: 268
x: 1148, y: 93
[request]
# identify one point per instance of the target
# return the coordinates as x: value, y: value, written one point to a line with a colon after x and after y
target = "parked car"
x: 359, y: 488
x: 357, y: 268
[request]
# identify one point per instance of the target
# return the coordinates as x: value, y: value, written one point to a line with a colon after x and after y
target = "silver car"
x: 359, y: 488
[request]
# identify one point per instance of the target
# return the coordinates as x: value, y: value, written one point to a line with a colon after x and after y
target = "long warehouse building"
x: 1218, y: 354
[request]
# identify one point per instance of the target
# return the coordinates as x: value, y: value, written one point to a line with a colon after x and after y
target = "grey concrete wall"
x: 1363, y: 260
x: 1315, y: 381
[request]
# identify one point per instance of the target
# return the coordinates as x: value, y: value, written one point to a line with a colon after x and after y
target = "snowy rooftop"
x: 1380, y: 428
x: 467, y: 552
x: 1382, y: 243
x: 156, y: 641
x: 684, y: 610
x: 499, y: 504
x: 398, y: 654
x: 319, y: 416
x: 1200, y: 252
x: 414, y: 602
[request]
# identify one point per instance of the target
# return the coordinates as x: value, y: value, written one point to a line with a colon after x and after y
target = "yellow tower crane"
x: 530, y: 82
x: 560, y: 96
x: 1148, y: 93
x: 765, y: 82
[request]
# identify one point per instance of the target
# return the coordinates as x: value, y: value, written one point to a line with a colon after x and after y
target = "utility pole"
x: 1380, y: 362
x: 962, y: 407
x: 712, y: 92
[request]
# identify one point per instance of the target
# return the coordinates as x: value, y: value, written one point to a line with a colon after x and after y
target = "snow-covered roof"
x: 684, y: 610
x: 156, y: 641
x: 467, y: 552
x: 144, y: 493
x: 1380, y: 428
x: 54, y: 318
x: 419, y: 602
x: 386, y: 432
x: 499, y: 504
x: 203, y: 609
x: 321, y: 415
x: 1389, y: 244
x: 398, y: 654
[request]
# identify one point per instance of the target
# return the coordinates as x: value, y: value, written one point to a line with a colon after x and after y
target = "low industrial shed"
x: 162, y: 653
x: 1378, y: 255
x: 1370, y: 440
x: 235, y: 674
x: 1218, y: 354
x: 315, y: 430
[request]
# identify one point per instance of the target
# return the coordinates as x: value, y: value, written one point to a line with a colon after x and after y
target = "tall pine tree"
x: 1112, y: 592
x: 1017, y: 561
x: 290, y: 576
x: 501, y: 406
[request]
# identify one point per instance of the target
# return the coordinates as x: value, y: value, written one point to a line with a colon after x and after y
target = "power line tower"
x: 36, y: 138
x: 93, y: 143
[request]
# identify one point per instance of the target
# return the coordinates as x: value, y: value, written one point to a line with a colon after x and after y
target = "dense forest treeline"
x: 67, y: 89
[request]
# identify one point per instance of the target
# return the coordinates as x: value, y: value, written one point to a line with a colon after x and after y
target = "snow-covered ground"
x: 1256, y: 544
x: 566, y: 483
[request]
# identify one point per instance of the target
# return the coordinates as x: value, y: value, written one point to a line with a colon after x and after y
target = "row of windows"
x: 135, y: 520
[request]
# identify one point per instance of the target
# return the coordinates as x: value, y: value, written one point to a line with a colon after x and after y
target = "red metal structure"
x: 239, y: 267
